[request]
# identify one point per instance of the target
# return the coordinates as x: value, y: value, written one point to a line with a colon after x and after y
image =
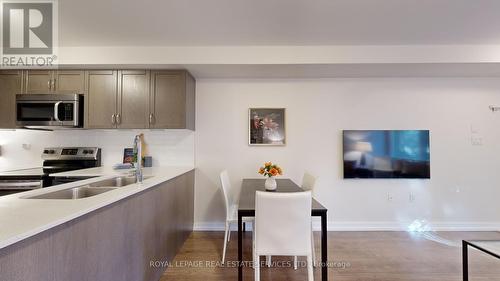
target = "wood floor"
x: 359, y: 256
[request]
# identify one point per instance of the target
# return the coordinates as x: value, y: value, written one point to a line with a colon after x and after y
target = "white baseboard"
x: 209, y: 226
x: 372, y: 226
x: 395, y: 226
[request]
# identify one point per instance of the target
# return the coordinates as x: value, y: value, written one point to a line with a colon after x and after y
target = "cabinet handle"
x: 49, y: 84
x: 54, y: 84
x: 118, y: 119
x: 113, y: 119
x: 151, y: 118
x: 26, y: 81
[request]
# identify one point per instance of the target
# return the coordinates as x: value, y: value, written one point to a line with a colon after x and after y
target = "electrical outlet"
x: 389, y: 197
x: 26, y: 146
x: 411, y: 197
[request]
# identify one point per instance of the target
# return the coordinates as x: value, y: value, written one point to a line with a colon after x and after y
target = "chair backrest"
x: 226, y: 187
x: 308, y: 181
x: 283, y: 223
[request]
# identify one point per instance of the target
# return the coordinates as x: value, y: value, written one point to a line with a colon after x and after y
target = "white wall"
x: 464, y: 191
x: 277, y: 55
x: 168, y: 147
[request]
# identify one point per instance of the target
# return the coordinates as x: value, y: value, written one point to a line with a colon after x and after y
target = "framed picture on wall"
x: 266, y: 126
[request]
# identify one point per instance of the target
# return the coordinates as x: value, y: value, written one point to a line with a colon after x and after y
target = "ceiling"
x: 278, y: 22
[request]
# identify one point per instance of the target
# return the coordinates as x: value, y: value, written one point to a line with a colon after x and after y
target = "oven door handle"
x: 56, y: 110
x: 62, y: 167
x: 20, y: 185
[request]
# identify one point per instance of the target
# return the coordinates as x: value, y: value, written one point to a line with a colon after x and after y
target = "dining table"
x: 246, y: 208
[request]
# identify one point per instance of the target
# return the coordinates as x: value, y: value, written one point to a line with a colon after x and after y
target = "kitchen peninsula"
x: 109, y: 236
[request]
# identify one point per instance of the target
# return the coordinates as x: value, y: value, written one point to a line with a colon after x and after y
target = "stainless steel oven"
x: 63, y: 159
x: 49, y: 111
x: 55, y: 160
x: 21, y: 180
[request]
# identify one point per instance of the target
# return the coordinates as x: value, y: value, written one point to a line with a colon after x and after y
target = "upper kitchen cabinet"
x: 139, y: 99
x: 172, y: 100
x: 69, y: 81
x: 118, y: 99
x: 133, y: 99
x: 50, y: 81
x: 37, y: 81
x: 100, y: 104
x: 10, y: 85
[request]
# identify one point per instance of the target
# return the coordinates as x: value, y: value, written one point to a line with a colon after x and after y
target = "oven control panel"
x: 69, y: 153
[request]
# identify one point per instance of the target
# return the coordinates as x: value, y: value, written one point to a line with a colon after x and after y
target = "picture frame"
x: 128, y: 155
x: 266, y: 126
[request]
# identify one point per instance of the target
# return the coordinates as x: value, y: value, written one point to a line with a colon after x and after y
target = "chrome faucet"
x: 138, y: 163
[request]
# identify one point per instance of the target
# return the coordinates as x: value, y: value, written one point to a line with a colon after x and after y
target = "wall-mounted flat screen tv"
x: 387, y: 154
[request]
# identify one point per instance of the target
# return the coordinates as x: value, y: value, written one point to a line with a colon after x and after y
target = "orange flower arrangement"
x: 270, y: 170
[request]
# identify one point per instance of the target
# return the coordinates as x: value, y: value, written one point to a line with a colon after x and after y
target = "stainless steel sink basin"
x: 116, y: 182
x: 73, y: 193
x: 88, y: 190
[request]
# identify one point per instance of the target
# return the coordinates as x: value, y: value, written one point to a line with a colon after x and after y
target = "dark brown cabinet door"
x: 38, y: 81
x: 101, y: 103
x: 69, y: 81
x: 133, y: 99
x: 10, y: 85
x: 168, y: 100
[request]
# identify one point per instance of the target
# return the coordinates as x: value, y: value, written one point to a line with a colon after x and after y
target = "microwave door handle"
x: 56, y: 110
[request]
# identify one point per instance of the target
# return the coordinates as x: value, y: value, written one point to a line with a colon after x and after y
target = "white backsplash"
x: 22, y: 148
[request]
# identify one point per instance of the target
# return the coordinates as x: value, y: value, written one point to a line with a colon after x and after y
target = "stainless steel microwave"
x: 49, y: 111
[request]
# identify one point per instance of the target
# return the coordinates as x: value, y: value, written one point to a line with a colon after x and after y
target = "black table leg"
x: 240, y: 248
x: 465, y: 261
x: 324, y: 248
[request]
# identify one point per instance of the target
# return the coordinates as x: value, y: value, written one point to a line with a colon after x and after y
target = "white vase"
x: 270, y: 183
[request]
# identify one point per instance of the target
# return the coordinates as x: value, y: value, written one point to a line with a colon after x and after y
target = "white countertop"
x: 22, y: 218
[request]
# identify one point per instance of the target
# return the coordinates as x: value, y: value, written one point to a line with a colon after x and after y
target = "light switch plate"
x: 477, y: 141
x: 474, y: 129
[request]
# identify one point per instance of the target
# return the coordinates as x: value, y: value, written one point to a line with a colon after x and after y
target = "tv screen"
x: 386, y: 154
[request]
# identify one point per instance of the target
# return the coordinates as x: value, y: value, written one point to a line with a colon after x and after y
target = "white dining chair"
x: 308, y: 183
x: 282, y: 227
x: 231, y: 211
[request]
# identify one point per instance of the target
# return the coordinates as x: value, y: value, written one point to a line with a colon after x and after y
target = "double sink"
x: 88, y: 190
